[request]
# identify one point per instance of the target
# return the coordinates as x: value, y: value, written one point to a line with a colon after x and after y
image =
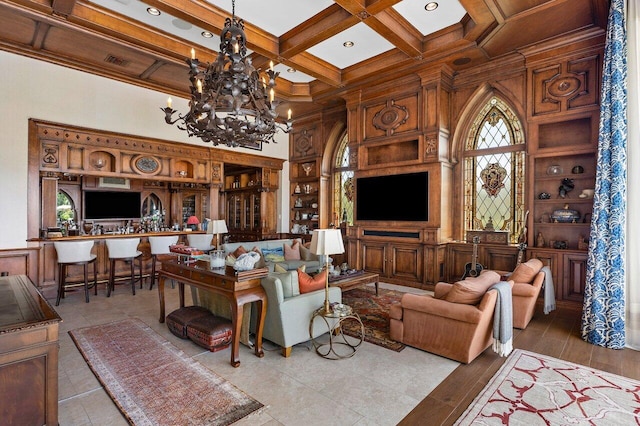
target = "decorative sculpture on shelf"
x: 565, y: 187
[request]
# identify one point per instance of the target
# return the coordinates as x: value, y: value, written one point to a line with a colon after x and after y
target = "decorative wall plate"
x: 146, y: 165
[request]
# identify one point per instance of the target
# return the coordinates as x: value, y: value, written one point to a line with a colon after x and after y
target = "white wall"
x: 36, y: 89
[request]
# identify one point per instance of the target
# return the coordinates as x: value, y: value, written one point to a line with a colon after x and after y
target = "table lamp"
x: 217, y: 227
x: 193, y: 222
x: 325, y: 242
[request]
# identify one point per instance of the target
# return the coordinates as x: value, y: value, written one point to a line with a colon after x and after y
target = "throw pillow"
x: 526, y: 272
x: 471, y: 290
x: 273, y: 254
x: 292, y: 252
x: 307, y: 283
x: 289, y: 280
x: 305, y: 253
x: 237, y: 252
x: 230, y: 260
x: 260, y: 263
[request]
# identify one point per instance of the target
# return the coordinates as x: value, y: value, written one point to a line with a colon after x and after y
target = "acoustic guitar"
x: 521, y: 249
x: 473, y: 268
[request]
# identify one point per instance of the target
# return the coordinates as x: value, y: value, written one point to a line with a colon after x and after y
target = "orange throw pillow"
x: 240, y: 250
x: 307, y: 283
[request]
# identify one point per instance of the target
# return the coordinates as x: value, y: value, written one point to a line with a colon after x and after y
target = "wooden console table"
x: 28, y: 354
x: 236, y: 288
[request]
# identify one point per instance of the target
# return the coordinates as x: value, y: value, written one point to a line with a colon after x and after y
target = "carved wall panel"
x: 564, y: 87
x: 304, y: 144
x: 391, y: 117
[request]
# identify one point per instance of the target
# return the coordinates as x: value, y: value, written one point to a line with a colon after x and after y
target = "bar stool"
x: 200, y: 241
x: 159, y: 245
x: 125, y: 249
x: 75, y: 253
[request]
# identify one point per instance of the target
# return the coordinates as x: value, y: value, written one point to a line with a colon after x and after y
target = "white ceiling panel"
x: 274, y: 16
x: 366, y: 44
x: 449, y: 12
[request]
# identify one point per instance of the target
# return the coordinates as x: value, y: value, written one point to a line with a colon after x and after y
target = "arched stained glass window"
x: 494, y: 165
x: 343, y: 185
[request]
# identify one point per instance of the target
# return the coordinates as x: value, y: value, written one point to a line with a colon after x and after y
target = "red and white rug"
x: 532, y: 389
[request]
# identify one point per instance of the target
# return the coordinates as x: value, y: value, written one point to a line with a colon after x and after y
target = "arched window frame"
x: 511, y: 155
x: 342, y: 184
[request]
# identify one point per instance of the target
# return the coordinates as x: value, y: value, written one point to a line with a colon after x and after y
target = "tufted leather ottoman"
x: 178, y: 320
x: 210, y: 332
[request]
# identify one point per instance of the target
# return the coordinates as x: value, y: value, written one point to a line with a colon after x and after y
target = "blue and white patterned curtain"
x: 603, y: 314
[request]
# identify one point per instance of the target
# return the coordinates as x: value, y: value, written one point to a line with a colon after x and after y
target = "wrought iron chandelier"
x: 230, y: 102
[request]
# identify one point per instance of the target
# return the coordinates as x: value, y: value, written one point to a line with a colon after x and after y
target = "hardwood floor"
x: 556, y: 334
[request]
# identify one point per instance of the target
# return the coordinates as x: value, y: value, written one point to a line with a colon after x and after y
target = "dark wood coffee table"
x: 358, y: 279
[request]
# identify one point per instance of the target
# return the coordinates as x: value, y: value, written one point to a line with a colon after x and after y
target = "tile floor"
x: 377, y: 386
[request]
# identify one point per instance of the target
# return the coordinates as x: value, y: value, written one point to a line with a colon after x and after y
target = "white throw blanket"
x: 503, y: 319
x: 549, y: 291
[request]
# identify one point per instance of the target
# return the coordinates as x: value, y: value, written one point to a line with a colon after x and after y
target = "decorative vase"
x: 565, y: 215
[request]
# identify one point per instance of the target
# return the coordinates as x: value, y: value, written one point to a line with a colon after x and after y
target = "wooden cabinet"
x: 569, y: 268
x: 28, y: 354
x: 250, y: 203
x: 394, y: 262
x: 499, y: 257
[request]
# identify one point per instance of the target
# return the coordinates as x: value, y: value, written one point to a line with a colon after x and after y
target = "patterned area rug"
x: 374, y: 313
x: 154, y: 383
x: 532, y: 389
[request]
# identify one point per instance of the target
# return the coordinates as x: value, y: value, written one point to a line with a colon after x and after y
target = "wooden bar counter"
x: 48, y: 259
x: 28, y: 354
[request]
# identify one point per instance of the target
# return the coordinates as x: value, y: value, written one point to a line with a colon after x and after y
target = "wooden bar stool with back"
x: 126, y: 250
x: 75, y: 253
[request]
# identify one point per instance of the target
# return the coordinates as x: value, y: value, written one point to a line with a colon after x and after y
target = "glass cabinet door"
x: 256, y: 210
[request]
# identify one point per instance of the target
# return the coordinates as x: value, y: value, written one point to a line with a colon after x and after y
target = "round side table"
x: 334, y: 320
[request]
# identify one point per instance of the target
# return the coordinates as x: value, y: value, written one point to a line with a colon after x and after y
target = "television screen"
x: 111, y: 205
x: 401, y: 197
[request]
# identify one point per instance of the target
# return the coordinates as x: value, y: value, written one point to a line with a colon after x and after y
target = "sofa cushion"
x: 471, y: 290
x: 307, y: 283
x: 305, y: 253
x: 290, y: 266
x: 289, y: 280
x: 237, y: 252
x: 292, y: 252
x: 273, y: 254
x: 526, y: 272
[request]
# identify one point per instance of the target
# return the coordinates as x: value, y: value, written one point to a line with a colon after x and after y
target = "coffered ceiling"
x: 306, y: 39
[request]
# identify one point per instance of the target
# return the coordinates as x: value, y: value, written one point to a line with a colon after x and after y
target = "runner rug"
x: 153, y: 382
x: 374, y: 313
x: 532, y: 389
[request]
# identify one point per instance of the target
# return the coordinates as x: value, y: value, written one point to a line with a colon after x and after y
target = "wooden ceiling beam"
x: 209, y: 17
x: 325, y: 24
x: 398, y: 31
x: 63, y: 7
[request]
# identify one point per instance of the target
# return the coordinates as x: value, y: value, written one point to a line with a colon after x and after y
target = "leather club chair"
x: 528, y: 279
x: 456, y: 322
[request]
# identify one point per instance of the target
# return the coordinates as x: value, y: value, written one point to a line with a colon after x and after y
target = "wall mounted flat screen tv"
x: 402, y: 197
x: 111, y: 205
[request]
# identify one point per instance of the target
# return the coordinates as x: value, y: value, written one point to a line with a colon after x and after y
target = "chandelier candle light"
x: 230, y: 102
x: 326, y: 242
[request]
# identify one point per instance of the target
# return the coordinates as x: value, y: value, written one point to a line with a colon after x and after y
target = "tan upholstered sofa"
x: 456, y: 323
x: 528, y: 279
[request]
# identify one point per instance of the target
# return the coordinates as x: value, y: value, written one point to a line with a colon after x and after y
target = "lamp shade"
x: 218, y: 226
x: 193, y: 220
x: 326, y: 241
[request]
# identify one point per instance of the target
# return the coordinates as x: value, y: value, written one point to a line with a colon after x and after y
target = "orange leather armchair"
x: 528, y: 280
x: 456, y: 323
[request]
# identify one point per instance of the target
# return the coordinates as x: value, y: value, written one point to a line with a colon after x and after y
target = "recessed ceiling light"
x: 432, y: 5
x: 348, y: 44
x: 153, y: 11
x: 206, y: 34
x: 291, y: 70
